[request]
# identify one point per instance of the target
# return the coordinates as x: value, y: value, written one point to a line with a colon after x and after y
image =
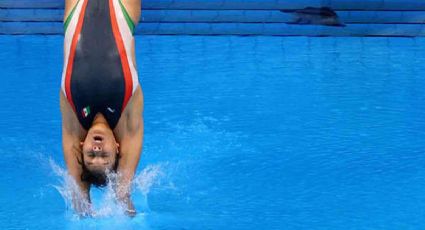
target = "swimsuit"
x: 99, y: 74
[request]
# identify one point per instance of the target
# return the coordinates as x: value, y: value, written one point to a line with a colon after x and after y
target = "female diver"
x: 100, y: 98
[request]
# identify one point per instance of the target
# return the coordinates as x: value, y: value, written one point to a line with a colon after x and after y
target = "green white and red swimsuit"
x: 99, y: 74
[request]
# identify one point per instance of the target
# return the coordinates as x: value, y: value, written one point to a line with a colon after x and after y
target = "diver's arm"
x: 71, y: 133
x: 130, y: 133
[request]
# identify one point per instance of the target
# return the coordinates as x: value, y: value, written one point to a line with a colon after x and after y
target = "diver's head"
x: 100, y: 154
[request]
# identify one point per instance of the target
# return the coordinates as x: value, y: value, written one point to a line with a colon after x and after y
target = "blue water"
x: 240, y: 133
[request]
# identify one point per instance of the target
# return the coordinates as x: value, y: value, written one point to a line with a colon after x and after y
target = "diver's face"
x: 99, y: 149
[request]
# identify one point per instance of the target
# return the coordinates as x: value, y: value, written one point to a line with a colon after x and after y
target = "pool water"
x: 240, y: 133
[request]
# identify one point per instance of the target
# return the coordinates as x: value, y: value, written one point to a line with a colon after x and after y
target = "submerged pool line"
x: 237, y: 17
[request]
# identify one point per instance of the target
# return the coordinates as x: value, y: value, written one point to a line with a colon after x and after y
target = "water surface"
x: 240, y: 133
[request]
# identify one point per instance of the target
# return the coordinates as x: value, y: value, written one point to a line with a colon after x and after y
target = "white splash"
x: 148, y: 177
x: 104, y: 202
x: 69, y: 190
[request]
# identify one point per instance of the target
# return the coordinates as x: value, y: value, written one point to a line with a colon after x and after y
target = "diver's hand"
x: 81, y: 203
x: 130, y: 211
x: 82, y: 208
x: 127, y: 205
x: 122, y: 192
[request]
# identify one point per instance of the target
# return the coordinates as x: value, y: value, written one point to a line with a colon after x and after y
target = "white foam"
x: 104, y: 203
x: 69, y: 190
x: 148, y: 177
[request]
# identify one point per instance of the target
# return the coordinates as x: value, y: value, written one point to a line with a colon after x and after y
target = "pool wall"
x: 234, y: 17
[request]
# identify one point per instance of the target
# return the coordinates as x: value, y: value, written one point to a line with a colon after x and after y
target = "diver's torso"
x: 99, y: 73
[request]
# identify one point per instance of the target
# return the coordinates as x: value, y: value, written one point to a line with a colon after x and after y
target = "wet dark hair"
x: 96, y: 178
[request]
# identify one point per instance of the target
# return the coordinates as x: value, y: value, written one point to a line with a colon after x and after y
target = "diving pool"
x: 240, y: 133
